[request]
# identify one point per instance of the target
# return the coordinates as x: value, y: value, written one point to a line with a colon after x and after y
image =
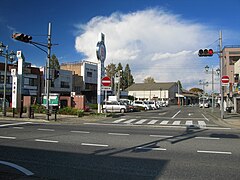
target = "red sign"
x: 225, y: 79
x: 106, y: 81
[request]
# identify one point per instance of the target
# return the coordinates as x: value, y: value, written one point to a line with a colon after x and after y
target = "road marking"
x: 176, y: 114
x: 18, y: 127
x: 214, y: 152
x: 82, y: 132
x: 97, y: 145
x: 14, y: 124
x: 201, y: 123
x: 45, y: 129
x: 189, y: 123
x: 216, y: 128
x: 19, y: 168
x: 119, y: 120
x: 210, y: 138
x: 205, y: 117
x: 160, y: 136
x: 45, y: 140
x: 176, y: 122
x: 7, y: 137
x: 129, y: 121
x: 152, y: 122
x: 154, y: 149
x: 118, y: 134
x: 141, y: 121
x: 164, y: 122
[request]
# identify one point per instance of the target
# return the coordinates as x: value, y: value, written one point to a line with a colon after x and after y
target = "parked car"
x: 129, y: 105
x: 141, y: 104
x: 114, y: 106
x: 153, y: 104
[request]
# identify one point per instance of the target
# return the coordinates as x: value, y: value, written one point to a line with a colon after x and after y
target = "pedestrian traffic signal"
x: 205, y: 52
x: 56, y: 74
x: 22, y: 37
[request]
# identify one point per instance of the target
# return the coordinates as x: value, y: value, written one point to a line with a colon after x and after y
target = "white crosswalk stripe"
x: 164, y: 122
x: 202, y: 123
x: 189, y: 123
x: 176, y: 122
x: 141, y: 121
x: 130, y: 121
x: 119, y: 120
x: 161, y: 122
x: 152, y: 122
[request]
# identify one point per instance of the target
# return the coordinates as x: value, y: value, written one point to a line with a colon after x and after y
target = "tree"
x: 127, y: 77
x: 111, y: 70
x: 196, y: 90
x: 149, y: 80
x: 54, y: 63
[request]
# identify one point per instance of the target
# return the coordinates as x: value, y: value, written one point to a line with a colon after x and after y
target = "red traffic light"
x: 22, y: 37
x: 205, y: 52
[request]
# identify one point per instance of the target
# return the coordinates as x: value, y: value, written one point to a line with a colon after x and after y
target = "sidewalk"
x: 230, y: 119
x: 63, y: 119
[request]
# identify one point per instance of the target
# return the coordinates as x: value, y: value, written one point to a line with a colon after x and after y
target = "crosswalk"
x: 159, y: 122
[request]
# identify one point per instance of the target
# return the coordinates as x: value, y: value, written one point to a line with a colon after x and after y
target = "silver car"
x: 114, y: 106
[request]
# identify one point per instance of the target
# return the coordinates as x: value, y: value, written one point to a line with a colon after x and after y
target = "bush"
x: 80, y: 113
x: 93, y: 106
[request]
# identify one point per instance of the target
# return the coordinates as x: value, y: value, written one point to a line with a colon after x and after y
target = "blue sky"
x: 181, y: 27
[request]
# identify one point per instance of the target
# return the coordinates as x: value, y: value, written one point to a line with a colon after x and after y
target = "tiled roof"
x: 150, y: 86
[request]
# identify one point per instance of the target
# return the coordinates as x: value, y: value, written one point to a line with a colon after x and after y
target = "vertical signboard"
x: 14, y: 88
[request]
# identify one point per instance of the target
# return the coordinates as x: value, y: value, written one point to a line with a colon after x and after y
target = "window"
x: 65, y: 84
x: 233, y: 59
x: 89, y: 74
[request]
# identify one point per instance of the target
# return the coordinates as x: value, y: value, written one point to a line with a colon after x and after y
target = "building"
x: 160, y: 91
x: 84, y: 78
x: 231, y: 55
x: 31, y: 81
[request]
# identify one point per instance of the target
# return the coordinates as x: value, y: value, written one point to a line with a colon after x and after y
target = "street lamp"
x: 8, y: 56
x: 204, y: 83
x: 217, y: 71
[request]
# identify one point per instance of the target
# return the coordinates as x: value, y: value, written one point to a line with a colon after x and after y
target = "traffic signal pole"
x: 221, y: 67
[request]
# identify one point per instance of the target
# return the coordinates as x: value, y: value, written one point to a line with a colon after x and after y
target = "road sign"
x: 106, y: 81
x: 225, y: 80
x: 53, y: 100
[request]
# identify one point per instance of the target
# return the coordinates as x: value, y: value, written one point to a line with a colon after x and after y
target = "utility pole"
x: 221, y: 67
x: 48, y: 70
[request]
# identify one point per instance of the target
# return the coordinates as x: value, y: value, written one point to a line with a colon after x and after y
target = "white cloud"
x: 154, y: 42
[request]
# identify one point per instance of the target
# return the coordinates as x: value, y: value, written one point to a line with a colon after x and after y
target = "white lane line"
x: 141, y: 121
x: 176, y: 123
x: 96, y: 145
x: 214, y: 152
x: 19, y: 168
x: 7, y: 137
x: 82, y: 132
x: 216, y: 128
x: 152, y: 122
x: 205, y: 117
x: 189, y: 123
x: 154, y: 149
x: 45, y: 140
x: 176, y: 114
x: 202, y: 123
x: 14, y: 124
x: 160, y: 136
x: 118, y: 134
x: 129, y: 121
x: 18, y: 127
x: 119, y: 120
x: 45, y: 129
x: 164, y: 122
x: 210, y: 138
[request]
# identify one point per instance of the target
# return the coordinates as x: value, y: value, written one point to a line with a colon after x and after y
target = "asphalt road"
x: 107, y: 150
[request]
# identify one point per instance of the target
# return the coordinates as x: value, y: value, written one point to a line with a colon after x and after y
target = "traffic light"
x: 56, y: 74
x: 22, y: 37
x: 205, y: 52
